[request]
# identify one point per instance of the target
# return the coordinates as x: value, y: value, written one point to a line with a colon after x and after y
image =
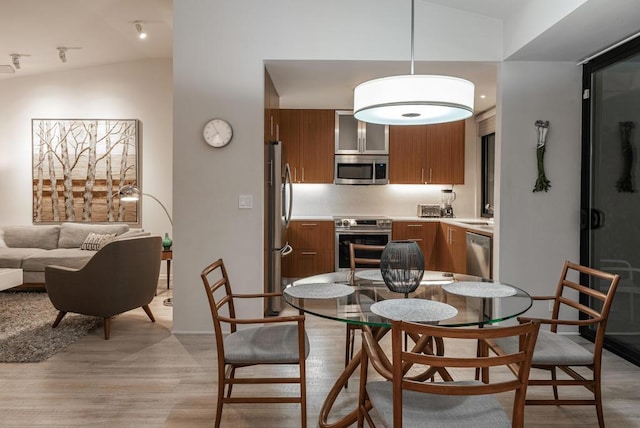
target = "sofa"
x: 32, y: 247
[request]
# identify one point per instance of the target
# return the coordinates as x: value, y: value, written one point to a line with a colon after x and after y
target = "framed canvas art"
x: 78, y: 167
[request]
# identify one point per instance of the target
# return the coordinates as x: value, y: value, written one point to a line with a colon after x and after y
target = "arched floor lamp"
x: 130, y: 193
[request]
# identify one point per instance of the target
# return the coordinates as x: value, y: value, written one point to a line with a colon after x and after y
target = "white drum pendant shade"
x: 413, y: 100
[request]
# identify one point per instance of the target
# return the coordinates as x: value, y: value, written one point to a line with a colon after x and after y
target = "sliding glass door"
x: 610, y: 237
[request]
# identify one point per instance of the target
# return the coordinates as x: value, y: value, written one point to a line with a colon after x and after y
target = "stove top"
x: 359, y: 222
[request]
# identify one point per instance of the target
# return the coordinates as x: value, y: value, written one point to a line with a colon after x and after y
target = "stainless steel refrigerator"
x: 280, y: 204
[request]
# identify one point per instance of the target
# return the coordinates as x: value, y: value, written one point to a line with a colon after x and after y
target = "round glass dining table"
x: 363, y: 299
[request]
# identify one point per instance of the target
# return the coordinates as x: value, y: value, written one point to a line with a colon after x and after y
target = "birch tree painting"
x: 78, y: 167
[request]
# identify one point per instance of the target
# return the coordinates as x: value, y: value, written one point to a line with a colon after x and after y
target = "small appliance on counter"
x: 447, y: 198
x: 429, y: 210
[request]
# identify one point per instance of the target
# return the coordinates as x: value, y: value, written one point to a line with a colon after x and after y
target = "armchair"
x: 123, y: 275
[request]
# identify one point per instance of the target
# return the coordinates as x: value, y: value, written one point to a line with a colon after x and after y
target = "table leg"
x: 168, y: 273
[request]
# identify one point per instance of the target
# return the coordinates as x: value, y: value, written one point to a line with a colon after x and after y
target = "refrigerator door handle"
x: 286, y: 250
x: 288, y: 182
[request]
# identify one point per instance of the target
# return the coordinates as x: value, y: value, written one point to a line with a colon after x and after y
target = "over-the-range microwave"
x: 361, y: 169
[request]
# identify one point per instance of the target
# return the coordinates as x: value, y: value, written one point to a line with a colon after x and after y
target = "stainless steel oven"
x: 359, y: 230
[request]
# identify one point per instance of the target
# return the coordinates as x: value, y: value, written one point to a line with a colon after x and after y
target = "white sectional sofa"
x: 32, y: 247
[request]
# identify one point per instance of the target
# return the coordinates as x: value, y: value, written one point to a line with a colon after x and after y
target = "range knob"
x: 346, y: 223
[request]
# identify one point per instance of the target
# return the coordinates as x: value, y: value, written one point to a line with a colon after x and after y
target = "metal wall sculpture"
x: 78, y: 167
x: 542, y: 182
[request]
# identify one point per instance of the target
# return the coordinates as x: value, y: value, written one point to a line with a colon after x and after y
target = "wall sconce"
x: 141, y: 33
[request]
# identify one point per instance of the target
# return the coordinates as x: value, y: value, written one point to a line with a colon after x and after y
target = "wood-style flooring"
x: 145, y: 376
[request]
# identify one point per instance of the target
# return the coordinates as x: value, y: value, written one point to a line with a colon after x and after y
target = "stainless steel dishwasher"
x: 478, y: 255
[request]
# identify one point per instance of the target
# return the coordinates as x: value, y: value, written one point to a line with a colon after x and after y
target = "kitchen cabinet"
x: 424, y: 233
x: 307, y: 138
x: 313, y: 248
x: 427, y: 154
x: 451, y: 248
x: 353, y: 137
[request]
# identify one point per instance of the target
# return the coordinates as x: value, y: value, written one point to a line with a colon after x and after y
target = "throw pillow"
x: 95, y: 241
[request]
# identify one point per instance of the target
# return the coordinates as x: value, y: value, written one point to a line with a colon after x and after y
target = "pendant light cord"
x: 412, y: 20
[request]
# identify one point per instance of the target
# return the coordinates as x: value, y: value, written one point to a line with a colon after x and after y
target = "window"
x: 488, y: 166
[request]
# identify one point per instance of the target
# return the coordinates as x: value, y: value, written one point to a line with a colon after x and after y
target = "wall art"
x: 78, y: 167
x: 542, y: 182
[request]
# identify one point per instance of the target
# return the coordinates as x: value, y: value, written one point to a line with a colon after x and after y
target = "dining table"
x: 362, y: 298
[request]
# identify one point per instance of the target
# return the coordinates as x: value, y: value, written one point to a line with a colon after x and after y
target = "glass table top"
x: 443, y: 298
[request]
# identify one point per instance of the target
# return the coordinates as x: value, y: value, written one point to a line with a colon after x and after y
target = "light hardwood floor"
x: 144, y: 376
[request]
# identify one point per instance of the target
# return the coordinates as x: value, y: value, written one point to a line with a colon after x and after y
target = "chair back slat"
x: 525, y: 333
x: 361, y: 254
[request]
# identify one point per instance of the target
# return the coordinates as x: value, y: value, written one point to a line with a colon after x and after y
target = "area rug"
x: 26, y: 335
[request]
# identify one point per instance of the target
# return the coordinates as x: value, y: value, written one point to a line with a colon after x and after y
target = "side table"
x: 168, y: 256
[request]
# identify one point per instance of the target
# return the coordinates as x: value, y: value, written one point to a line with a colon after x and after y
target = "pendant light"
x: 413, y: 99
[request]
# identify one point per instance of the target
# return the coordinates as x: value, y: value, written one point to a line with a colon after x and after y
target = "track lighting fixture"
x: 141, y: 33
x: 15, y: 60
x: 62, y: 53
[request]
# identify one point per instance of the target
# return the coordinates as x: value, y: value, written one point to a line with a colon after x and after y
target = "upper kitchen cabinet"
x: 353, y: 137
x: 307, y: 144
x: 427, y: 154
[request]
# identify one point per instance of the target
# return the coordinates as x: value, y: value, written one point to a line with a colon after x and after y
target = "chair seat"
x: 276, y: 344
x: 423, y: 410
x: 552, y: 349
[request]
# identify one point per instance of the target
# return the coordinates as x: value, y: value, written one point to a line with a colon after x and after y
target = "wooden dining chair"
x: 281, y: 340
x: 360, y: 255
x: 406, y: 401
x: 556, y: 351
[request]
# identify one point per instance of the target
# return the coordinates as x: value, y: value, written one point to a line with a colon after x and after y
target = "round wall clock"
x: 217, y: 132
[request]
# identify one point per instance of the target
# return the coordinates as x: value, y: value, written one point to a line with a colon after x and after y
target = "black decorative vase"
x: 402, y: 266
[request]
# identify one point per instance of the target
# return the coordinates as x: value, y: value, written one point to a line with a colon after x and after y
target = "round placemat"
x: 416, y: 310
x: 480, y: 289
x: 369, y: 275
x: 429, y: 277
x: 319, y: 291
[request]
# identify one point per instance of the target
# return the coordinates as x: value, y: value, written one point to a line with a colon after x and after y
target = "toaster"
x: 429, y: 210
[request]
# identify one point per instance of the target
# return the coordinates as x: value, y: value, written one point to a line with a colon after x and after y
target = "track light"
x: 15, y: 60
x: 62, y: 53
x: 141, y: 33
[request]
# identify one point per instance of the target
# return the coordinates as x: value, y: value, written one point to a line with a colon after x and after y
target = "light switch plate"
x: 245, y: 201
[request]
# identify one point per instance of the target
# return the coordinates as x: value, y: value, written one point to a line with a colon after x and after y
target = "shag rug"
x: 26, y: 335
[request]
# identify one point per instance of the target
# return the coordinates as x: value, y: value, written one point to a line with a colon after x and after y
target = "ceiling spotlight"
x: 62, y: 53
x: 15, y: 60
x: 141, y: 33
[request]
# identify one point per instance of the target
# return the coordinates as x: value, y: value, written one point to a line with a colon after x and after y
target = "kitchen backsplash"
x: 399, y: 200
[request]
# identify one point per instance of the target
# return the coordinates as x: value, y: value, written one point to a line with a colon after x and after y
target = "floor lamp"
x: 129, y: 193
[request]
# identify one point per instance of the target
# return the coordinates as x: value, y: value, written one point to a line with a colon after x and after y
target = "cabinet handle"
x: 414, y: 225
x: 309, y: 224
x: 271, y: 126
x: 416, y: 239
x: 277, y: 132
x: 422, y: 175
x: 430, y: 175
x: 308, y: 253
x: 295, y: 174
x: 302, y: 174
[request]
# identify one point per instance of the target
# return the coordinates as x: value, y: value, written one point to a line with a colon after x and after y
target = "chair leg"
x: 61, y: 315
x: 107, y: 328
x: 555, y: 387
x: 598, y: 397
x: 348, y: 348
x: 222, y: 381
x: 303, y: 392
x: 231, y: 375
x: 147, y: 310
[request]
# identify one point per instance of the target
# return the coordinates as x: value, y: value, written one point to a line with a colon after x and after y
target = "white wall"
x: 537, y: 231
x: 219, y: 49
x: 134, y: 90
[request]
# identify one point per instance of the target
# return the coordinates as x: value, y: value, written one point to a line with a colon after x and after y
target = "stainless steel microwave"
x: 361, y: 169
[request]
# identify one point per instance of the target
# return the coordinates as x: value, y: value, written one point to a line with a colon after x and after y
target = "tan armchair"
x: 122, y: 276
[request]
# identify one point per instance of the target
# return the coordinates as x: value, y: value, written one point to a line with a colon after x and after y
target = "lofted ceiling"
x: 104, y: 31
x: 97, y: 32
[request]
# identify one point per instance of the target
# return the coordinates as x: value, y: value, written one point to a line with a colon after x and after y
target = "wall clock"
x: 217, y: 132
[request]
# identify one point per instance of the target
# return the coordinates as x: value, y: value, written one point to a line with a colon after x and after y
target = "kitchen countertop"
x: 466, y: 222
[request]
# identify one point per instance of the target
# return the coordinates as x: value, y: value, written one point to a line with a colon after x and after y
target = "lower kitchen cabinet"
x: 313, y: 248
x: 451, y: 249
x: 424, y: 233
